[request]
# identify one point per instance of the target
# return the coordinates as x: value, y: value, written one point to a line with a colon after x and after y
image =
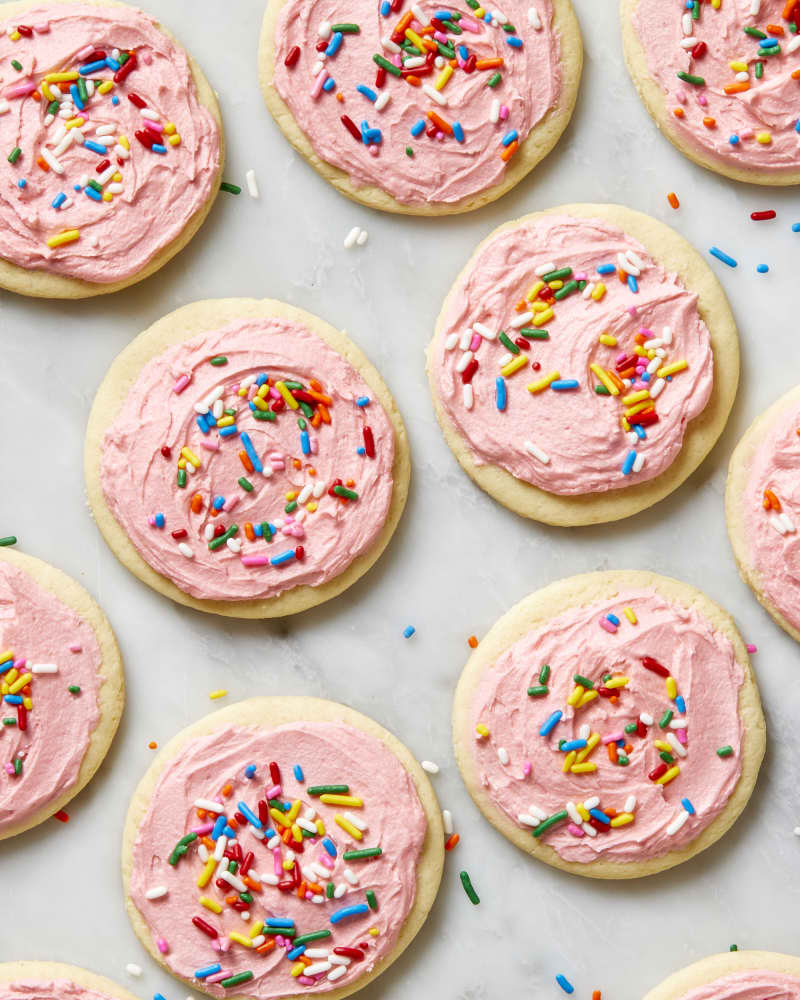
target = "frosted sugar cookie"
x: 584, y: 363
x: 734, y: 975
x: 61, y: 690
x: 55, y: 981
x: 421, y: 108
x: 281, y: 847
x: 112, y: 147
x: 610, y: 725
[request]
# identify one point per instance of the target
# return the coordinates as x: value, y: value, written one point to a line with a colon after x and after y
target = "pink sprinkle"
x: 322, y: 76
x: 612, y: 738
x: 42, y: 28
x: 680, y: 95
x: 440, y: 136
x: 702, y: 100
x: 607, y: 625
x: 373, y: 149
x: 469, y: 25
x: 632, y: 311
x: 397, y: 61
x: 503, y: 112
x: 304, y: 980
x: 210, y: 445
x: 575, y: 830
x: 314, y: 446
x: 9, y: 768
x: 163, y: 947
x: 280, y: 941
x: 277, y: 861
x: 747, y: 133
x: 440, y: 36
x: 19, y: 90
x: 621, y: 357
x: 84, y: 52
x: 153, y: 126
x: 151, y: 521
x: 146, y: 56
x: 309, y: 894
x: 274, y: 793
x: 19, y: 664
x: 583, y: 276
x: 201, y: 831
x: 76, y: 648
x: 231, y: 502
x: 751, y: 648
x: 326, y: 860
x: 181, y: 384
x: 526, y: 768
x: 255, y: 560
x: 222, y: 974
x: 646, y: 331
x: 476, y: 342
x: 682, y: 738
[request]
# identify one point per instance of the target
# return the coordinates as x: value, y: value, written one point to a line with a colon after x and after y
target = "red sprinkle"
x: 62, y: 816
x: 657, y: 772
x: 523, y: 343
x: 179, y: 534
x: 369, y: 442
x: 207, y: 929
x: 650, y: 664
x: 299, y: 552
x: 292, y: 56
x: 145, y: 138
x: 275, y: 773
x: 137, y: 101
x: 166, y: 451
x: 699, y: 50
x: 380, y: 77
x: 355, y: 953
x: 641, y: 728
x: 451, y: 841
x: 24, y: 30
x: 469, y: 371
x: 102, y: 165
x: 763, y: 216
x: 126, y: 69
x: 351, y: 127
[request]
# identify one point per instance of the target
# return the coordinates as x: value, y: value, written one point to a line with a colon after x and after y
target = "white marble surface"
x: 458, y: 560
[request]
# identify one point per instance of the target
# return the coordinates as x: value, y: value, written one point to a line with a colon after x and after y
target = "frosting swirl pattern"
x: 752, y: 984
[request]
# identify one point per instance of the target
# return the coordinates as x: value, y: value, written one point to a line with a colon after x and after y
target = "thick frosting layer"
x: 318, y: 472
x: 729, y: 75
x: 437, y: 131
x: 772, y: 510
x: 46, y: 728
x: 623, y: 714
x: 48, y: 990
x: 105, y: 177
x: 350, y: 902
x: 752, y: 984
x: 520, y: 361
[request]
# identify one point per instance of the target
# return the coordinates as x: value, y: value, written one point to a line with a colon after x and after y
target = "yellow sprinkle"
x: 28, y: 703
x: 624, y: 424
x: 662, y: 745
x: 666, y: 778
x: 604, y: 379
x: 591, y: 743
x: 635, y: 397
x: 117, y: 177
x: 311, y: 506
x: 630, y: 614
x: 20, y: 683
x: 291, y: 495
x: 539, y: 307
x: 124, y: 141
x: 541, y: 318
x: 190, y: 456
x: 738, y: 67
x: 288, y: 865
x: 583, y: 811
x: 48, y: 93
x: 61, y: 77
x: 105, y: 86
x: 206, y: 874
x: 346, y: 825
x: 616, y: 682
x: 278, y: 816
x: 622, y: 819
x: 640, y: 351
x: 291, y: 402
x: 444, y: 76
x: 599, y: 291
x: 181, y: 463
x: 259, y: 403
x: 672, y: 688
x: 575, y: 695
x: 169, y: 128
x: 242, y: 392
x: 297, y: 833
x: 374, y: 931
x: 608, y: 340
x: 673, y: 369
x: 6, y: 655
x: 515, y: 365
x: 210, y: 904
x: 764, y: 138
x: 569, y: 760
x: 74, y: 122
x: 543, y: 383
x: 11, y: 676
x: 587, y: 697
x: 15, y: 36
x: 535, y: 290
x: 297, y: 969
x: 219, y: 693
x: 482, y: 730
x: 225, y: 422
x: 108, y: 196
x: 174, y: 140
x: 556, y: 284
x: 240, y: 939
x: 68, y: 236
x: 342, y: 800
x: 255, y: 929
x: 716, y: 4
x: 320, y: 827
x: 633, y: 410
x: 586, y: 768
x: 294, y: 812
x: 414, y: 38
x: 262, y: 390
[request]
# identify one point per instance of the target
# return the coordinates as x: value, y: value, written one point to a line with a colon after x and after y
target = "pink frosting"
x: 327, y: 753
x: 581, y: 442
x: 772, y: 538
x: 750, y: 984
x: 44, y: 989
x: 708, y: 677
x: 325, y: 532
x: 159, y: 193
x: 768, y: 108
x: 39, y: 629
x: 442, y: 168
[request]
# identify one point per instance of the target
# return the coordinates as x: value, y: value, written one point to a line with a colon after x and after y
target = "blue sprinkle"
x: 573, y: 745
x: 621, y: 744
x: 627, y: 465
x: 262, y: 378
x: 768, y: 43
x: 250, y: 816
x: 762, y: 268
x: 298, y: 773
x: 286, y: 922
x: 687, y: 805
x: 284, y: 557
x: 796, y: 227
x: 501, y: 393
x: 514, y: 42
x: 258, y: 531
x: 349, y: 911
x: 92, y: 67
x: 601, y: 816
x: 367, y: 92
x: 613, y: 619
x: 13, y: 699
x: 606, y: 268
x: 211, y: 420
x: 296, y: 952
x: 442, y: 15
x: 458, y: 131
x: 269, y: 834
x: 209, y: 970
x: 633, y: 284
x: 386, y: 8
x: 418, y: 127
x: 202, y: 423
x: 333, y: 45
x: 408, y: 631
x: 115, y: 100
x: 362, y: 401
x: 96, y: 147
x: 219, y: 826
x: 91, y: 193
x: 551, y: 723
x: 797, y: 125
x: 76, y: 187
x: 509, y: 137
x: 680, y: 704
x: 329, y: 846
x: 158, y: 996
x: 463, y: 52
x: 112, y: 63
x: 76, y: 97
x: 160, y: 520
x: 487, y: 17
x: 733, y: 139
x: 361, y: 450
x: 562, y: 981
x: 21, y: 183
x: 218, y: 503
x: 251, y: 451
x: 721, y: 255
x: 564, y: 383
x: 156, y: 148
x: 250, y: 771
x: 228, y: 431
x: 229, y: 832
x: 638, y: 430
x: 646, y: 376
x: 59, y: 200
x: 305, y: 443
x: 329, y: 84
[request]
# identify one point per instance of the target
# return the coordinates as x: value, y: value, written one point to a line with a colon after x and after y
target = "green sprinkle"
x: 246, y: 897
x: 266, y: 531
x: 17, y: 765
x: 218, y: 361
x: 583, y: 681
x: 558, y: 275
x: 328, y: 790
x: 774, y: 50
x: 181, y: 478
x: 301, y: 423
x: 538, y: 690
x: 9, y: 722
x: 696, y: 10
x: 409, y: 151
x: 373, y: 902
x: 667, y: 757
x: 17, y: 65
x: 342, y: 491
x: 313, y: 936
x: 123, y: 58
x: 507, y: 342
x: 568, y: 289
x: 14, y: 155
x: 544, y: 673
x: 363, y: 854
x: 241, y: 977
x: 472, y: 896
x: 631, y: 727
x: 545, y: 825
x: 83, y: 93
x: 582, y: 284
x: 233, y: 867
x: 698, y: 81
x: 446, y: 50
x: 532, y: 333
x: 74, y: 689
x: 97, y: 186
x: 245, y: 484
x: 181, y: 848
x: 233, y: 189
x: 725, y: 751
x: 473, y: 4
x: 509, y: 29
x: 288, y: 932
x: 346, y: 29
x: 622, y: 760
x: 494, y: 79
x: 734, y: 947
x: 53, y: 108
x: 666, y: 718
x: 291, y: 506
x: 449, y: 26
x: 385, y: 64
x: 759, y: 70
x: 601, y: 390
x: 330, y: 888
x: 754, y: 32
x: 8, y: 540
x: 217, y: 543
x: 265, y: 415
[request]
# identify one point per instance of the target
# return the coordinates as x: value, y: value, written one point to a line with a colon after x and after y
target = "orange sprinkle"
x: 322, y: 409
x: 521, y: 306
x: 233, y: 823
x: 437, y: 120
x: 267, y: 946
x: 628, y: 748
x: 796, y: 74
x: 597, y: 995
x: 678, y: 112
x: 710, y: 122
x: 350, y: 483
x: 227, y: 791
x: 509, y: 151
x: 737, y: 88
x: 639, y: 338
x: 490, y: 63
x: 788, y: 7
x: 208, y: 842
x: 775, y: 29
x: 37, y: 96
x: 672, y: 198
x: 615, y: 698
x: 413, y: 80
x: 231, y: 899
x: 473, y: 642
x: 339, y: 96
x: 316, y: 420
x: 320, y: 397
x: 201, y: 813
x: 297, y: 463
x: 197, y: 503
x: 251, y: 884
x: 301, y: 889
x: 610, y: 812
x: 612, y: 752
x: 427, y: 30
x: 244, y: 458
x: 214, y: 512
x: 248, y: 530
x: 451, y: 841
x: 622, y: 275
x: 311, y: 470
x: 315, y: 887
x: 316, y: 385
x: 153, y: 745
x: 43, y: 164
x: 770, y: 500
x: 403, y: 23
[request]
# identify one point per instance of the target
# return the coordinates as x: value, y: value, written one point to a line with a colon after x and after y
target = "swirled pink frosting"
x: 703, y: 664
x: 441, y: 169
x: 39, y: 629
x: 44, y: 989
x: 160, y: 193
x: 775, y: 554
x: 327, y: 753
x: 750, y: 984
x: 578, y: 432
x: 767, y: 108
x: 139, y: 482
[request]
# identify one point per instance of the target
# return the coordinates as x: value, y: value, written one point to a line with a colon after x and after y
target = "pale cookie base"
x: 183, y: 324
x: 36, y: 971
x: 735, y: 513
x: 707, y: 970
x: 38, y: 283
x: 110, y: 697
x: 673, y: 253
x: 268, y: 713
x: 535, y: 611
x: 541, y: 139
x: 660, y: 107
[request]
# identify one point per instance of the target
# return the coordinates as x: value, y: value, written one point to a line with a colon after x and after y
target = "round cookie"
x: 481, y: 140
x: 56, y: 981
x: 287, y: 750
x: 71, y: 230
x: 53, y: 634
x: 762, y: 505
x: 734, y: 975
x: 351, y: 432
x: 590, y: 759
x: 735, y: 119
x: 573, y: 459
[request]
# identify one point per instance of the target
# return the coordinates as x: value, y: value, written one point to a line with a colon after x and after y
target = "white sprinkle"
x: 389, y: 45
x: 339, y: 891
x: 44, y: 668
x: 252, y: 183
x: 414, y: 62
x: 51, y: 161
x: 755, y: 7
x: 209, y: 805
x: 636, y: 260
x: 777, y: 524
x: 794, y: 45
x: 466, y: 339
x: 690, y: 42
x: 647, y: 720
x: 686, y: 23
x: 536, y: 811
x: 316, y: 953
x: 122, y: 152
x: 5, y: 107
x: 583, y: 732
x: 527, y: 820
x: 537, y: 452
x: 742, y: 77
x: 338, y: 959
x: 682, y: 723
x: 209, y: 532
x: 484, y: 331
x: 638, y: 462
x: 587, y: 292
x: 651, y: 345
x: 450, y: 343
x: 521, y: 320
x: 464, y: 361
x: 666, y: 335
x: 574, y: 815
x: 788, y: 523
x: 352, y: 236
x: 678, y: 822
x: 357, y: 822
x: 430, y: 767
x: 64, y: 143
x: 533, y: 19
x: 657, y: 388
x: 435, y: 95
x: 468, y: 396
x: 502, y: 755
x: 133, y: 969
x: 305, y: 825
x: 334, y: 974
x: 589, y: 830
x: 630, y: 804
x: 545, y: 269
x: 234, y: 881
x: 592, y: 802
x: 316, y: 968
x: 383, y: 99
x: 185, y: 550
x: 151, y: 114
x: 363, y: 236
x: 447, y: 820
x: 105, y: 130
x: 494, y: 113
x: 202, y: 853
x: 676, y: 745
x: 269, y: 879
x: 625, y: 265
x: 156, y: 892
x: 418, y: 13
x: 349, y: 875
x: 654, y: 365
x: 234, y: 544
x: 796, y: 831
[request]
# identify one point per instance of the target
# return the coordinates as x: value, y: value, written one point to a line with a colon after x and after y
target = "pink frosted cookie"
x: 720, y: 79
x: 281, y: 847
x: 734, y: 975
x: 583, y: 364
x: 61, y: 690
x: 245, y: 458
x: 762, y: 504
x: 38, y: 980
x: 421, y: 108
x: 610, y: 724
x: 113, y: 147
